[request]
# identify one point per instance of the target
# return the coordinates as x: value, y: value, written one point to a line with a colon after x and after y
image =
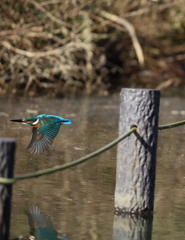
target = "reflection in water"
x: 41, y: 226
x: 132, y: 227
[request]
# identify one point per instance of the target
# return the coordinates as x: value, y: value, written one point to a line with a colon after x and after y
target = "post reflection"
x: 132, y: 227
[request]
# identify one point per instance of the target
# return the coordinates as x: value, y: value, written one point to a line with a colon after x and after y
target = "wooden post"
x: 136, y: 155
x: 7, y: 149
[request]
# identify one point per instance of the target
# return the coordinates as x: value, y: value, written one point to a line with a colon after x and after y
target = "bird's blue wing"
x: 43, y: 135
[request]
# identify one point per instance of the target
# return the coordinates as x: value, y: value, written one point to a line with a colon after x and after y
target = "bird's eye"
x: 35, y: 123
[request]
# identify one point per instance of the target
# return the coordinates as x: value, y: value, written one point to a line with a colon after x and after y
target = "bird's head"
x: 31, y: 121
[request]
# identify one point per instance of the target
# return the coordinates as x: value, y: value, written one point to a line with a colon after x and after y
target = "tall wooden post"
x: 7, y: 149
x: 136, y: 155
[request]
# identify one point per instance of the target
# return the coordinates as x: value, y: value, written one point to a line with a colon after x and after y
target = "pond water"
x: 80, y: 200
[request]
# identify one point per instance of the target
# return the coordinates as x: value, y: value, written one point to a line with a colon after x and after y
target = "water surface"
x: 80, y: 200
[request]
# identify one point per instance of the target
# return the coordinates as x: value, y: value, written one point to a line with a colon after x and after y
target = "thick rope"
x: 67, y: 165
x: 171, y: 125
x: 82, y: 159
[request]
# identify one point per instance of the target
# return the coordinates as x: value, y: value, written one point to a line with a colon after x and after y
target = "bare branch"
x: 131, y: 31
x: 49, y: 15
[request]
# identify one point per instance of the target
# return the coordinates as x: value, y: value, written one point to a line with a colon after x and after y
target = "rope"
x: 67, y: 165
x: 82, y: 159
x: 171, y: 125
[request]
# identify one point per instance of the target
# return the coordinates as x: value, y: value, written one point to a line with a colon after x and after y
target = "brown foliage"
x: 61, y: 46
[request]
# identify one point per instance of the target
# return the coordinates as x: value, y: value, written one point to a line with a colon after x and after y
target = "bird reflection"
x: 41, y: 227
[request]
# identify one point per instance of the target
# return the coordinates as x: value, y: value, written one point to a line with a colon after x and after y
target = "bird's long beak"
x: 17, y: 120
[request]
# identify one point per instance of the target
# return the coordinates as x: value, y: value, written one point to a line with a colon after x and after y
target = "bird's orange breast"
x: 37, y: 125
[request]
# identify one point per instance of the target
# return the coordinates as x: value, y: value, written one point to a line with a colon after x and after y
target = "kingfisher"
x: 44, y: 130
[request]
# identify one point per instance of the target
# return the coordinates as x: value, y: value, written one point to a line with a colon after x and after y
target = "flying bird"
x: 44, y: 130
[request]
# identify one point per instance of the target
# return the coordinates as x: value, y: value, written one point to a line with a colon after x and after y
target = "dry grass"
x: 59, y: 46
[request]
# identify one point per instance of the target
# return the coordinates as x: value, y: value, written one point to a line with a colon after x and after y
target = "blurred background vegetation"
x: 62, y: 47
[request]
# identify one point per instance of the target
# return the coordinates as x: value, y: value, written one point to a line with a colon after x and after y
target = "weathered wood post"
x: 136, y: 155
x: 7, y: 149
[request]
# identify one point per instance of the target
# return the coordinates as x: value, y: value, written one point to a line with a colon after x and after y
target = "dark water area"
x: 80, y: 200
